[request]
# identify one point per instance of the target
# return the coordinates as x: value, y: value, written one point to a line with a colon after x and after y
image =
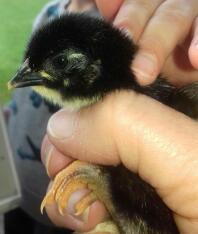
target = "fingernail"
x: 144, y: 66
x: 73, y: 200
x: 61, y: 125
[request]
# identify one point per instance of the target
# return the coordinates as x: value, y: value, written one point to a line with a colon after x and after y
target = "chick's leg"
x: 81, y: 175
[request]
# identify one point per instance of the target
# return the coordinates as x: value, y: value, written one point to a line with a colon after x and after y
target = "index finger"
x: 108, y: 8
x: 52, y: 159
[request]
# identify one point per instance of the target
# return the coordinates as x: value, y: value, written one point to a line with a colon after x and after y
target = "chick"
x: 74, y: 61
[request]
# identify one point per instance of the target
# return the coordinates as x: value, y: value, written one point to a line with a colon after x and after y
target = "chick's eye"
x: 59, y: 61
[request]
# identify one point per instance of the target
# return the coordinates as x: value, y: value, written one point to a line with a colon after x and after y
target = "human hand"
x: 166, y: 32
x: 151, y: 139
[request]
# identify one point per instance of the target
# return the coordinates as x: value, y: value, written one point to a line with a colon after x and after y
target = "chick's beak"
x: 25, y: 77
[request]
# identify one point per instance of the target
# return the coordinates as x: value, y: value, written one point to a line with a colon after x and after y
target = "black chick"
x: 74, y: 61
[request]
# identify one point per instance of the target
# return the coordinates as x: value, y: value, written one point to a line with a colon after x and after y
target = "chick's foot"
x: 76, y: 176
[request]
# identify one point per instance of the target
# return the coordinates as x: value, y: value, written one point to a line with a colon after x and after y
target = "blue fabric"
x: 36, y: 99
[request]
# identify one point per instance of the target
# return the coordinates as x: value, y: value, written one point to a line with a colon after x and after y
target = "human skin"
x: 166, y: 32
x: 163, y: 142
x: 149, y: 138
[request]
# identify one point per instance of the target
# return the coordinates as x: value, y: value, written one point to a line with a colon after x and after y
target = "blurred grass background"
x: 15, y: 27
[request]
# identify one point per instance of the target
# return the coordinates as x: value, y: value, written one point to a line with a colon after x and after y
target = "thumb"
x: 85, y: 133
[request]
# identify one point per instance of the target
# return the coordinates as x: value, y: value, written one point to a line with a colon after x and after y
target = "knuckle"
x: 178, y: 12
x: 176, y: 17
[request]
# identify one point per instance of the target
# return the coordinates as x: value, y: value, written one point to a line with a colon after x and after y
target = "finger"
x: 134, y: 15
x: 58, y: 134
x: 108, y: 9
x: 193, y: 50
x: 93, y: 215
x: 141, y: 133
x: 81, y: 6
x: 52, y: 159
x: 168, y: 27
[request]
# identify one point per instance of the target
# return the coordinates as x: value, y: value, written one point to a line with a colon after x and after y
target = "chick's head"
x: 76, y: 59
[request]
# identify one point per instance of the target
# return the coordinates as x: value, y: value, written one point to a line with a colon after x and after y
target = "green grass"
x: 15, y: 26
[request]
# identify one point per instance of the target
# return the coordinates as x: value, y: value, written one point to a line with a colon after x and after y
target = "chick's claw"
x: 76, y: 176
x: 85, y: 202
